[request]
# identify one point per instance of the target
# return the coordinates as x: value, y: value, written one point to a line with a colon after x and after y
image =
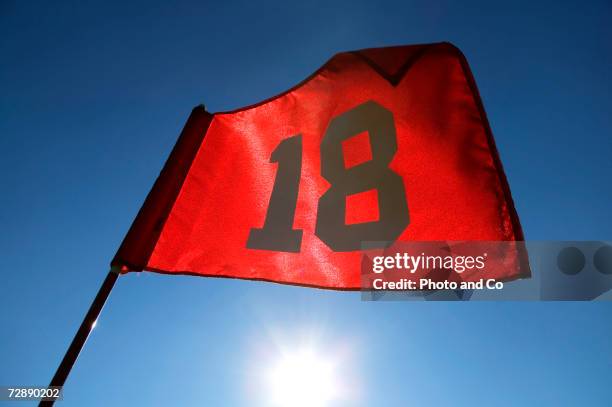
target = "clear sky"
x: 92, y: 98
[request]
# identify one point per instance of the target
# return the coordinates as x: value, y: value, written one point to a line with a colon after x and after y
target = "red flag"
x: 378, y: 145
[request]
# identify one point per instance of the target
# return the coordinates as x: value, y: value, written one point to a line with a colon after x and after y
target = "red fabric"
x: 454, y: 183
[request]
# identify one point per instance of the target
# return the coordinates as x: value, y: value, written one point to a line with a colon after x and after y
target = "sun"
x: 302, y: 378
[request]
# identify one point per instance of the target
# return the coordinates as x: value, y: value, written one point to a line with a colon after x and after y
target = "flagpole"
x: 83, y: 332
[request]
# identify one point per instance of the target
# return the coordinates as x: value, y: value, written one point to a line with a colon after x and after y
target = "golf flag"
x: 379, y: 145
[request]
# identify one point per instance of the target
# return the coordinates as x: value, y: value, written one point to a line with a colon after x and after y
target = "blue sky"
x: 92, y: 98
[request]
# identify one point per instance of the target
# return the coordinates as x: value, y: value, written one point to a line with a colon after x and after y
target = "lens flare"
x: 302, y: 379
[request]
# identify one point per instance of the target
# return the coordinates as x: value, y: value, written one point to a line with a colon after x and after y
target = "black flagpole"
x: 81, y: 336
x: 134, y: 251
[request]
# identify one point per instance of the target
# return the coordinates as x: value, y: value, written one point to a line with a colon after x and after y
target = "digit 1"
x: 277, y: 233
